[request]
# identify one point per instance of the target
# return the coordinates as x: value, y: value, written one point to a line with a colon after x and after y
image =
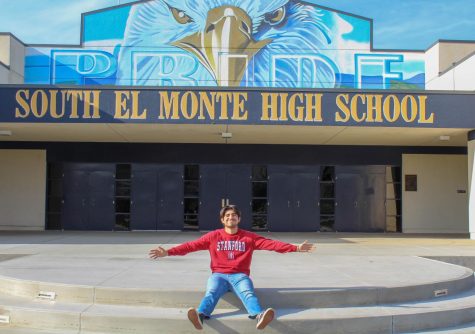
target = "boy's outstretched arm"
x: 183, y: 249
x: 306, y: 247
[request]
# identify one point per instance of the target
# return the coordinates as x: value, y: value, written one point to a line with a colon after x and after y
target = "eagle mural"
x: 226, y: 43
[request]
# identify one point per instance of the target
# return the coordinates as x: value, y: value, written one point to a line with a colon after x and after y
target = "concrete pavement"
x: 347, y: 274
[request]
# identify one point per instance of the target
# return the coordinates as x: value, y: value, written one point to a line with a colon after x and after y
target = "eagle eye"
x: 180, y: 16
x: 276, y: 17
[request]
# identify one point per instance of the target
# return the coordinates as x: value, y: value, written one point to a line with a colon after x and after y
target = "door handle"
x: 222, y: 202
x: 356, y: 204
x: 288, y: 204
x: 298, y: 204
x: 227, y: 201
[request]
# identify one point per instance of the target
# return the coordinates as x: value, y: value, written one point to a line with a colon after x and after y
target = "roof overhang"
x: 239, y: 134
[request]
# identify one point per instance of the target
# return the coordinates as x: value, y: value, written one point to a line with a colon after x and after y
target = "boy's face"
x: 230, y: 219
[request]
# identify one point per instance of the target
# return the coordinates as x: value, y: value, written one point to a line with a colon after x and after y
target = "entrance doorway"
x: 280, y: 198
x: 360, y: 198
x: 157, y: 197
x: 293, y: 198
x: 222, y: 185
x: 88, y: 197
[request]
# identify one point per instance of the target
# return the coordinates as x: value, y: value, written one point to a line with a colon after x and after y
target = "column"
x: 471, y: 183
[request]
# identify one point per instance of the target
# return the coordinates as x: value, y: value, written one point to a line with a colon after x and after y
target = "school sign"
x: 237, y: 106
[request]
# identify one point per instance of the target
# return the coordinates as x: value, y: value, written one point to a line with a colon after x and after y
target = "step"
x: 463, y: 329
x: 378, y: 319
x: 299, y: 297
x: 19, y: 330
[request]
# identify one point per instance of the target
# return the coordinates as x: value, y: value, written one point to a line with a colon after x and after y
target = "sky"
x: 397, y: 24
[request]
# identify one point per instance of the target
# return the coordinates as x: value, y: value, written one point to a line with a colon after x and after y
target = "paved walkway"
x: 120, y: 260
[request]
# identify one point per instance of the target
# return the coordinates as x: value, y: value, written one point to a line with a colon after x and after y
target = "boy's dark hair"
x: 229, y: 208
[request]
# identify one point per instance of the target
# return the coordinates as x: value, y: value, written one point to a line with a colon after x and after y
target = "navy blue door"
x: 101, y: 200
x: 222, y: 185
x: 306, y: 212
x: 88, y: 202
x: 143, y: 204
x: 360, y: 198
x: 293, y: 198
x: 157, y: 197
x: 280, y: 196
x: 74, y: 211
x: 212, y: 196
x: 170, y: 197
x: 239, y: 192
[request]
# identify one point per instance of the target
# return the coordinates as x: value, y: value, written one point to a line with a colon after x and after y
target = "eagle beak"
x: 226, y: 46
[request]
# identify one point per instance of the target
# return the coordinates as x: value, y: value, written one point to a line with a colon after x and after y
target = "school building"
x: 162, y: 115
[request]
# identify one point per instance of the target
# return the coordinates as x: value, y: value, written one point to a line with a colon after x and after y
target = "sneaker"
x: 196, y: 318
x: 264, y: 318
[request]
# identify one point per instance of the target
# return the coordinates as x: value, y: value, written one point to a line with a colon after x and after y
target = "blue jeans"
x: 240, y: 284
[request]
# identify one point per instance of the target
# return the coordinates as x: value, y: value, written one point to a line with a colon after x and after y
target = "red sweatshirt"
x: 231, y: 253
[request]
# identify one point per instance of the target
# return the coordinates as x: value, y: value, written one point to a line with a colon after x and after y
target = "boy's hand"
x: 158, y: 252
x: 305, y: 247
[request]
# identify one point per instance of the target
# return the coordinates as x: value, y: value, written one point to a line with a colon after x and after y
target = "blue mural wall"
x: 246, y: 43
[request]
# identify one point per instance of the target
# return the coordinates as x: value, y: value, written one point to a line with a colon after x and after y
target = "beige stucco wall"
x: 12, y: 57
x: 436, y: 206
x: 17, y: 62
x: 449, y: 66
x: 22, y: 189
x: 5, y: 49
x: 432, y: 63
x: 459, y: 77
x: 453, y: 52
x: 4, y: 74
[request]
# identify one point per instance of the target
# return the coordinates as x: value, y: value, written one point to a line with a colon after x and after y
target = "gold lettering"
x: 269, y: 106
x: 314, y: 108
x: 53, y: 105
x: 239, y: 112
x: 284, y: 106
x: 44, y: 103
x: 92, y: 100
x: 189, y: 114
x: 354, y: 108
x: 405, y: 111
x: 135, y: 107
x: 374, y: 108
x: 342, y: 103
x: 21, y: 98
x: 422, y: 107
x: 167, y: 103
x: 121, y: 109
x: 225, y: 98
x: 74, y: 96
x: 293, y: 107
x: 391, y: 114
x: 208, y: 103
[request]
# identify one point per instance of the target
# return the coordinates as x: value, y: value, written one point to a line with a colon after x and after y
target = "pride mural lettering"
x: 233, y: 43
